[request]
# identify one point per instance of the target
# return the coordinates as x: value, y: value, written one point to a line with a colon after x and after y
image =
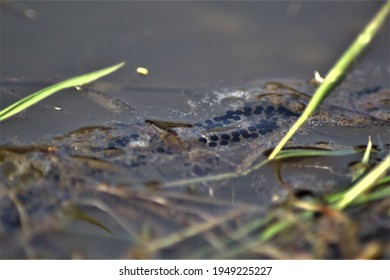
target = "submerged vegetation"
x: 300, y: 225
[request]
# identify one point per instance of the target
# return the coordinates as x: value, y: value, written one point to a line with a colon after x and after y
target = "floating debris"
x: 142, y: 71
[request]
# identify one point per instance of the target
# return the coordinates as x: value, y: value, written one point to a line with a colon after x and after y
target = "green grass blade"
x: 384, y: 180
x: 39, y: 95
x: 274, y: 229
x: 337, y: 73
x: 381, y: 194
x: 77, y: 213
x: 367, y: 153
x: 335, y: 197
x: 280, y: 225
x: 360, y: 168
x: 364, y: 184
x: 312, y: 153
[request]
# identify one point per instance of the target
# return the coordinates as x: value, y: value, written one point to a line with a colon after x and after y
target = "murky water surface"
x: 146, y: 167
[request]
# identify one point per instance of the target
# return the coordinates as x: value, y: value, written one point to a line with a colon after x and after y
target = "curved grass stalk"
x: 46, y: 92
x: 74, y: 211
x: 282, y: 155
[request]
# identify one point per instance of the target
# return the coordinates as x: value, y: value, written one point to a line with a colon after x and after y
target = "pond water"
x: 186, y: 46
x: 205, y: 109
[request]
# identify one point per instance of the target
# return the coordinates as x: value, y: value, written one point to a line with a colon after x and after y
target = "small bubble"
x: 30, y: 13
